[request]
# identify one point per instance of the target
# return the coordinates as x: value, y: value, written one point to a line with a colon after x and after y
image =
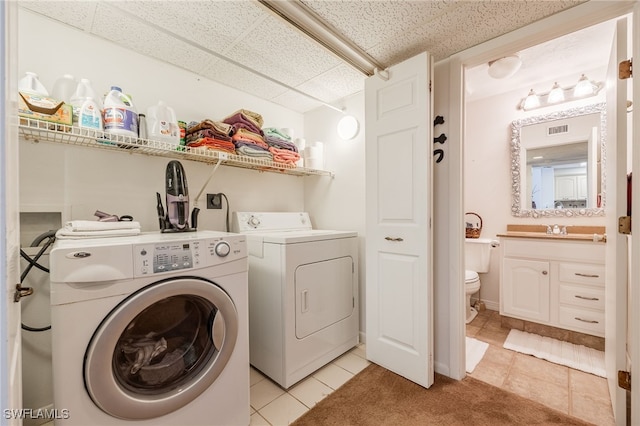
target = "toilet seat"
x: 471, y: 281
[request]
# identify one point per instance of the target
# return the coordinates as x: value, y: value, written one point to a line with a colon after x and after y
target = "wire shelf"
x: 43, y: 131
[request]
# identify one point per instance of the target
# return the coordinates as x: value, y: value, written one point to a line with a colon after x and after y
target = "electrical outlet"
x: 214, y: 201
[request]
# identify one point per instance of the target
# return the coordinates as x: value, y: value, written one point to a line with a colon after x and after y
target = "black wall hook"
x: 440, y: 153
x: 439, y: 120
x: 440, y: 139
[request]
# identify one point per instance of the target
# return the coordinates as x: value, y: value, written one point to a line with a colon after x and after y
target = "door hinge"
x: 624, y: 225
x: 21, y: 292
x: 625, y: 69
x: 624, y: 380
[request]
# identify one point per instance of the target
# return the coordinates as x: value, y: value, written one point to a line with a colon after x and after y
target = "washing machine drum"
x: 160, y: 348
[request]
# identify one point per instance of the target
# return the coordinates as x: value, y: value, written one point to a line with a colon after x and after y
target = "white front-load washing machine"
x: 303, y: 293
x: 151, y: 329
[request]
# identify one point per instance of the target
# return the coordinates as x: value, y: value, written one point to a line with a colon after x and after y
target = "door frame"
x: 562, y: 23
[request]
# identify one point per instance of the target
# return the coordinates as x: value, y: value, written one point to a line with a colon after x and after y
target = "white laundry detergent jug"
x: 64, y: 88
x: 83, y: 92
x: 31, y: 84
x: 120, y: 115
x: 162, y: 124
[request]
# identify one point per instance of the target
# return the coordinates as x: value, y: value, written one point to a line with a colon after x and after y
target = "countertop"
x: 574, y: 233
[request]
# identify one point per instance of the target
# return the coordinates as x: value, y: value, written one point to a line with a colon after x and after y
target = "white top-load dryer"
x: 303, y: 293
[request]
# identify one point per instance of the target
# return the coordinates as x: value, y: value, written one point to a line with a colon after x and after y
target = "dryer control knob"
x: 254, y: 221
x: 222, y: 249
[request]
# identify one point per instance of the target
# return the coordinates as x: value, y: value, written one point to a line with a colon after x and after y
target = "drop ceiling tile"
x: 278, y: 50
x: 212, y: 24
x: 241, y: 79
x: 128, y: 32
x: 372, y: 22
x: 75, y: 13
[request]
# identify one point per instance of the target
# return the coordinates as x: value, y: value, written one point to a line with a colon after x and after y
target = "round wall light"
x: 348, y: 127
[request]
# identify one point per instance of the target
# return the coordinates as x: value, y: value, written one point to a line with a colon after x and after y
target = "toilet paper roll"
x: 301, y: 144
x: 313, y: 152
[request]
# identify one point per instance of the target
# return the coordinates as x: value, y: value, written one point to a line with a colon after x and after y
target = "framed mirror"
x: 558, y: 163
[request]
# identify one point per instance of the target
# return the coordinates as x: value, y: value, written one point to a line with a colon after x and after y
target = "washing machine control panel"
x: 165, y: 257
x: 171, y: 256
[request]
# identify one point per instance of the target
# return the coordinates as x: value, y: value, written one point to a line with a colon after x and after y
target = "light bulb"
x: 531, y: 101
x: 583, y: 88
x: 556, y: 94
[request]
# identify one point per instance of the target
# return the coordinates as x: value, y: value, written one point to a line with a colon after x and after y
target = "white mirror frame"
x: 516, y: 186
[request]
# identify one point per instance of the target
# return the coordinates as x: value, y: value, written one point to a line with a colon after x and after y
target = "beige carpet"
x: 379, y: 397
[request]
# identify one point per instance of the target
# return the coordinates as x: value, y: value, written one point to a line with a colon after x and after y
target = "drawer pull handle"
x: 585, y: 298
x: 393, y: 239
x: 544, y: 272
x: 580, y: 274
x: 589, y: 321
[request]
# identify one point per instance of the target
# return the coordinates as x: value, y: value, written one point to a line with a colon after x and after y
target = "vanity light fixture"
x: 583, y: 89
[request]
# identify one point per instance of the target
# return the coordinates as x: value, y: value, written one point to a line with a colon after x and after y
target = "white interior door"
x: 616, y: 205
x: 399, y: 147
x: 10, y: 342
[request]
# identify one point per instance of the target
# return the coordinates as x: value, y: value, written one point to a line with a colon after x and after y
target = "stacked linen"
x: 247, y: 135
x: 281, y: 147
x: 210, y: 134
x: 80, y: 229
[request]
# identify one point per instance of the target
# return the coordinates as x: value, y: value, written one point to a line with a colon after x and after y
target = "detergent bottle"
x: 31, y: 85
x: 90, y: 116
x: 120, y: 115
x: 162, y: 124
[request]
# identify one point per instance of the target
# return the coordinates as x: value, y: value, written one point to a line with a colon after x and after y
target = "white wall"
x: 339, y: 203
x: 77, y: 181
x: 487, y: 173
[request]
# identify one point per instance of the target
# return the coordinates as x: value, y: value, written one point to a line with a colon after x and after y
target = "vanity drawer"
x: 581, y: 273
x: 582, y: 296
x: 591, y: 322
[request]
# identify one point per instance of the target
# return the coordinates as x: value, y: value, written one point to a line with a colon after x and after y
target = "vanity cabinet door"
x: 565, y: 188
x: 525, y: 290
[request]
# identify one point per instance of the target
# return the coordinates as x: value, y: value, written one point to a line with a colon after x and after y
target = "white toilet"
x: 477, y: 254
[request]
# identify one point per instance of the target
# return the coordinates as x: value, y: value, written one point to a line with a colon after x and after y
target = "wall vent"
x: 556, y: 130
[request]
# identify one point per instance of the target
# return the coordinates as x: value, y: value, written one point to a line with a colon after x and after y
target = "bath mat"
x: 578, y: 357
x: 475, y: 351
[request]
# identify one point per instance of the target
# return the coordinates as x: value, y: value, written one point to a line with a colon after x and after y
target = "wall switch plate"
x: 214, y: 201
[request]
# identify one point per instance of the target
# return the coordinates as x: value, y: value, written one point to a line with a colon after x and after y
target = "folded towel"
x: 253, y: 152
x: 284, y: 156
x: 218, y: 126
x: 280, y: 143
x: 95, y: 226
x: 275, y: 132
x: 245, y: 114
x: 64, y: 234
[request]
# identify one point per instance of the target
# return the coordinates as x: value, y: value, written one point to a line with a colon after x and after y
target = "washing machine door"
x: 160, y: 348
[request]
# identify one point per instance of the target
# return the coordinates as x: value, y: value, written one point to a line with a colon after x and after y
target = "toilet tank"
x: 477, y: 254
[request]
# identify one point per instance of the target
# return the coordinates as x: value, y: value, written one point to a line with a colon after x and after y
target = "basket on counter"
x: 472, y: 229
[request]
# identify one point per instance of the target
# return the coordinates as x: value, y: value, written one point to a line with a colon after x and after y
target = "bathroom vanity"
x: 555, y: 280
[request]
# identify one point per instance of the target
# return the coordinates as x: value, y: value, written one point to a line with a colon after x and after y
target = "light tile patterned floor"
x: 271, y: 405
x: 567, y: 390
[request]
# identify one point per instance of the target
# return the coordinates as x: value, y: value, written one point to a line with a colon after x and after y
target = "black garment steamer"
x: 177, y: 200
